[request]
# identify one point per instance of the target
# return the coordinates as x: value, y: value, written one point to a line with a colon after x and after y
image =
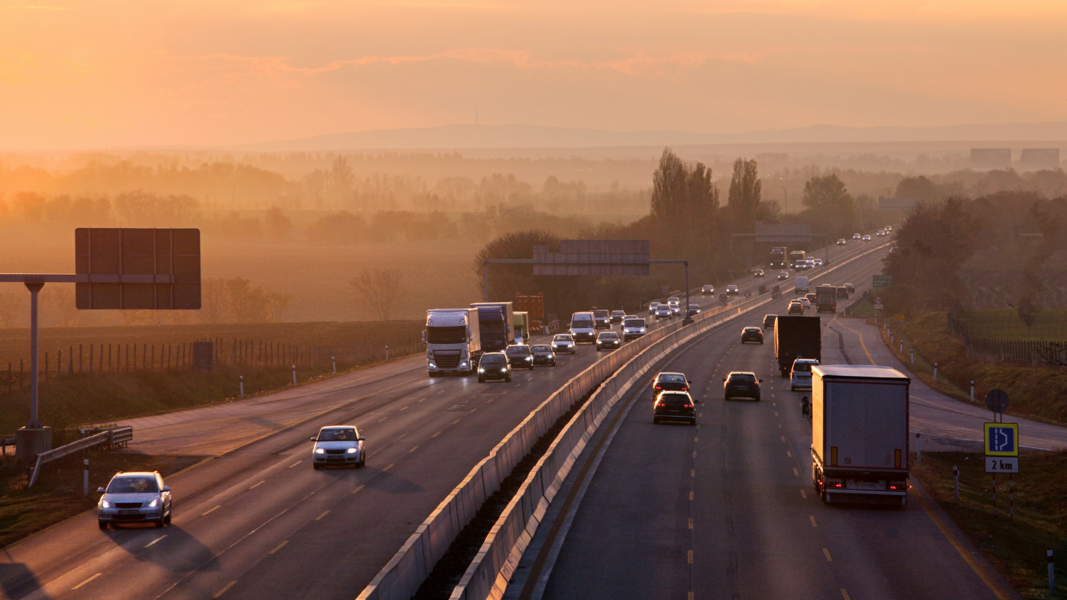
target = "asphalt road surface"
x: 255, y: 521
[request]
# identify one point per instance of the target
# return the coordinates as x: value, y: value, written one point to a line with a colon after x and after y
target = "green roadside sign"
x: 882, y: 281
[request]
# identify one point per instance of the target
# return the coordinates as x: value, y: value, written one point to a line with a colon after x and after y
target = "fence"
x: 1034, y: 353
x: 125, y: 357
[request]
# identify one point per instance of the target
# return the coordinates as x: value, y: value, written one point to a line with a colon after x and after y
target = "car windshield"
x: 345, y: 434
x: 542, y: 349
x: 133, y: 485
x: 751, y: 329
x: 446, y: 335
x: 562, y: 338
x: 671, y: 378
x: 634, y: 323
x: 742, y: 378
x: 661, y: 308
x: 617, y: 313
x: 803, y: 367
x: 581, y: 323
x: 600, y: 313
x: 518, y: 350
x: 672, y: 299
x: 609, y: 336
x: 492, y: 359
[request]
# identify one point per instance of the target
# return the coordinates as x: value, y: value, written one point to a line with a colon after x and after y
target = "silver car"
x: 338, y: 446
x: 663, y: 312
x: 563, y: 342
x: 632, y: 328
x: 139, y: 497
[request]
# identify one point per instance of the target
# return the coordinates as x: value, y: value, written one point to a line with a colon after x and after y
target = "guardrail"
x: 411, y: 565
x: 110, y: 439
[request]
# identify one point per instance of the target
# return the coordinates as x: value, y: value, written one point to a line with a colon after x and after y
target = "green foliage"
x: 745, y: 192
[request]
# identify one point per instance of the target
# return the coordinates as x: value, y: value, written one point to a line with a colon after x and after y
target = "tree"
x: 744, y: 196
x: 247, y: 304
x: 682, y: 194
x: 277, y: 225
x: 833, y: 208
x: 918, y: 188
x: 380, y: 290
x: 212, y: 300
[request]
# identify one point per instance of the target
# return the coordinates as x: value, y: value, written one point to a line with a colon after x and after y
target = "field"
x: 1006, y: 324
x: 1015, y: 546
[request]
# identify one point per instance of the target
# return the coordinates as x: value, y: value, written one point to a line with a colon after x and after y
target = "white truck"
x: 859, y: 434
x: 453, y: 343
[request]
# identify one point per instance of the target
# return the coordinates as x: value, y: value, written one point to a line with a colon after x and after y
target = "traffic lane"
x: 47, y: 553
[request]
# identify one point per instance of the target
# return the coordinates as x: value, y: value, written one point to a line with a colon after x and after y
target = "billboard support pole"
x: 35, y: 288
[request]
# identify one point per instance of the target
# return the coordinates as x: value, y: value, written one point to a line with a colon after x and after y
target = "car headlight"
x: 153, y: 503
x: 105, y: 504
x: 529, y: 358
x: 353, y: 450
x: 503, y: 369
x: 433, y: 365
x: 462, y: 363
x: 481, y: 369
x: 319, y: 451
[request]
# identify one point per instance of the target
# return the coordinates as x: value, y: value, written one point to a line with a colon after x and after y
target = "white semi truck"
x: 453, y: 343
x: 859, y: 434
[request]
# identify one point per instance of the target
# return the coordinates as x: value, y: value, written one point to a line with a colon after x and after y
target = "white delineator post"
x: 913, y: 356
x: 294, y: 374
x: 935, y: 371
x: 242, y: 386
x: 918, y: 447
x: 956, y: 481
x: 972, y: 390
x: 334, y: 360
x: 386, y: 352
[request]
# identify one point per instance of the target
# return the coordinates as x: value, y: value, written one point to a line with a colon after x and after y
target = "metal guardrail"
x: 110, y: 439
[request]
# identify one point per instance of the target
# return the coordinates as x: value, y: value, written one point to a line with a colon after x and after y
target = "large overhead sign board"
x: 143, y: 269
x: 593, y: 258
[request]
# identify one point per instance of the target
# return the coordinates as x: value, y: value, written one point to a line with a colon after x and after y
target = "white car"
x: 675, y: 304
x: 338, y: 446
x: 633, y: 328
x: 707, y: 289
x: 563, y: 342
x: 139, y: 497
x: 818, y: 262
x: 731, y: 290
x: 856, y: 236
x: 652, y: 308
x: 663, y: 312
x: 800, y: 376
x: 866, y: 238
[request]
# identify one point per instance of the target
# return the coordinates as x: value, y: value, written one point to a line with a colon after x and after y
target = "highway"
x: 728, y: 509
x: 256, y: 521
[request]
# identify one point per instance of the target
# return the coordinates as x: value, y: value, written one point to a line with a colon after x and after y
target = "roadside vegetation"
x: 1016, y: 547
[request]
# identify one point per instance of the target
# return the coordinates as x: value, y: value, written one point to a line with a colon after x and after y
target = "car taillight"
x: 688, y: 406
x: 659, y: 388
x: 685, y: 389
x: 837, y: 485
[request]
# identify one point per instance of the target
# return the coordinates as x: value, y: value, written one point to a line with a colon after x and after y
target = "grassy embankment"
x: 1038, y: 393
x: 106, y: 396
x: 1016, y: 546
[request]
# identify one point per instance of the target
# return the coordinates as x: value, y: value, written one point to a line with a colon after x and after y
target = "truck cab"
x: 453, y: 343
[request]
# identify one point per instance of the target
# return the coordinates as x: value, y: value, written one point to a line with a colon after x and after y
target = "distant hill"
x: 460, y: 136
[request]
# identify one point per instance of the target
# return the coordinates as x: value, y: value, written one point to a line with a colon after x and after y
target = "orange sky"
x: 77, y: 75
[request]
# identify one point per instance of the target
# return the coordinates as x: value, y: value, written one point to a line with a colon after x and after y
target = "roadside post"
x: 913, y: 356
x: 918, y: 447
x: 333, y: 359
x: 956, y: 481
x: 85, y: 480
x: 1051, y: 575
x: 294, y: 374
x: 387, y: 352
x: 242, y: 386
x: 1001, y: 446
x: 935, y: 371
x: 972, y: 390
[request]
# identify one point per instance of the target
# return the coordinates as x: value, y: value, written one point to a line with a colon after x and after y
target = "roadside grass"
x: 864, y: 309
x: 1016, y: 546
x: 58, y: 493
x: 1038, y: 393
x: 1006, y: 324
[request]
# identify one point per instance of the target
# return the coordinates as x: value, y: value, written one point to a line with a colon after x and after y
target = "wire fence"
x: 1034, y: 353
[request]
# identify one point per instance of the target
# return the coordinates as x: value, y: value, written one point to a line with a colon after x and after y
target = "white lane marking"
x: 435, y: 435
x: 319, y: 518
x: 812, y: 517
x: 217, y: 506
x: 258, y: 484
x: 413, y: 449
x: 86, y: 581
x: 803, y: 494
x: 278, y: 547
x: 826, y: 553
x: 295, y: 464
x: 225, y: 589
x: 155, y: 541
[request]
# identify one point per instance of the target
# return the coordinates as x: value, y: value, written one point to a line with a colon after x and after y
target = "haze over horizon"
x: 80, y: 74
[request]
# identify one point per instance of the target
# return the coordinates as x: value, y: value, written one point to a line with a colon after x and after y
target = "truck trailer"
x: 796, y: 337
x: 522, y: 328
x: 826, y: 298
x: 496, y: 322
x: 453, y: 343
x: 859, y: 434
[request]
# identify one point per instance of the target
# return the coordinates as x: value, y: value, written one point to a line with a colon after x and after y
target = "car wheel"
x: 170, y: 516
x: 693, y: 423
x: 792, y: 388
x: 102, y: 524
x: 161, y: 522
x: 655, y: 420
x: 316, y: 466
x: 757, y: 398
x: 481, y: 379
x: 508, y: 379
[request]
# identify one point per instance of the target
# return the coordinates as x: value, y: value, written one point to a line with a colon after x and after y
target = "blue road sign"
x: 1001, y: 439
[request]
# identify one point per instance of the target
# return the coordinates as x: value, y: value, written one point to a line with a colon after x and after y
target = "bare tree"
x: 380, y: 289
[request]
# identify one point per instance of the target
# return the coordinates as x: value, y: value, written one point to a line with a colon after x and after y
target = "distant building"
x: 1040, y: 158
x: 903, y: 204
x: 991, y: 158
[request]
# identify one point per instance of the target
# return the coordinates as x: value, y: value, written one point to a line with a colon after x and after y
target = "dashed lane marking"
x: 844, y: 594
x: 456, y: 421
x: 795, y: 472
x: 690, y: 557
x: 405, y: 408
x: 258, y: 484
x: 694, y: 453
x: 813, y: 523
x: 776, y: 413
x: 278, y: 547
x: 382, y: 419
x: 692, y: 472
x: 696, y: 439
x: 225, y: 589
x: 435, y: 435
x: 473, y: 409
x: 319, y: 518
x: 690, y: 495
x: 86, y: 581
x: 826, y: 553
x: 217, y: 506
x: 803, y: 494
x: 783, y: 438
x: 356, y: 491
x: 295, y: 464
x: 690, y: 522
x: 789, y: 454
x: 390, y: 466
x: 155, y: 541
x: 413, y: 449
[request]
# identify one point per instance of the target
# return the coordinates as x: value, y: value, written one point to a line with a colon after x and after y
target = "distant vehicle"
x: 826, y: 298
x: 674, y: 303
x: 796, y: 256
x: 633, y: 328
x: 851, y: 288
x: 866, y: 238
x: 338, y: 446
x: 796, y: 337
x: 652, y: 308
x: 859, y: 448
x: 543, y: 355
x: 496, y: 324
x: 841, y: 242
x: 889, y: 228
x: 816, y: 262
x: 522, y: 327
x: 617, y: 316
x: 674, y: 406
x: 453, y: 343
x: 805, y: 303
x: 663, y: 312
x: 670, y: 382
x: 741, y: 384
x: 880, y: 234
x: 520, y: 357
x: 694, y: 309
x: 796, y: 308
x: 602, y: 319
x: 768, y: 321
x: 751, y: 334
x: 583, y: 327
x: 136, y: 497
x: 856, y: 236
x: 758, y: 273
x: 563, y: 342
x: 800, y: 374
x: 842, y: 292
x: 707, y: 289
x: 783, y: 276
x: 731, y: 290
x: 800, y: 285
x: 608, y: 340
x: 494, y: 365
x: 777, y: 258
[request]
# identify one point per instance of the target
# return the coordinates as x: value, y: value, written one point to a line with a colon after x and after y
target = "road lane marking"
x: 473, y: 409
x: 210, y: 511
x: 776, y: 413
x: 388, y: 467
x: 690, y: 522
x: 696, y: 439
x: 803, y: 494
x: 813, y: 523
x: 258, y: 484
x: 694, y: 453
x: 690, y: 557
x: 435, y: 435
x: 795, y: 472
x: 155, y: 541
x: 382, y: 419
x: 690, y: 595
x: 278, y: 547
x: 826, y: 553
x: 456, y: 421
x: 774, y: 404
x: 319, y: 518
x: 423, y: 400
x: 779, y: 427
x: 223, y: 590
x: 789, y: 454
x: 844, y: 594
x: 405, y: 408
x: 295, y: 464
x: 692, y: 472
x: 783, y: 437
x: 86, y: 581
x: 690, y: 495
x: 356, y: 491
x: 413, y: 449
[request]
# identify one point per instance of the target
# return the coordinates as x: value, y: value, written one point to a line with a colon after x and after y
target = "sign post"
x: 1002, y: 456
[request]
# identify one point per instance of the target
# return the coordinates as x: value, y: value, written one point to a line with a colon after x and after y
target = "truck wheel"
x: 102, y: 524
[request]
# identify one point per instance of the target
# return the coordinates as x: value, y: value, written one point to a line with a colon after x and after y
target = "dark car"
x: 694, y: 309
x: 617, y: 316
x: 796, y: 307
x: 674, y: 406
x: 783, y: 276
x: 741, y: 384
x: 608, y: 340
x: 543, y: 355
x: 769, y: 321
x: 520, y: 356
x: 842, y: 292
x: 494, y: 365
x: 670, y: 382
x: 851, y: 288
x: 751, y: 334
x: 602, y: 319
x: 811, y: 297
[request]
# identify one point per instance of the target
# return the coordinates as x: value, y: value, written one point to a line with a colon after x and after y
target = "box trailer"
x: 796, y: 337
x: 859, y: 434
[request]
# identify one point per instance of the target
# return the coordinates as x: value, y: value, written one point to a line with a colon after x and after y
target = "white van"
x: 801, y: 285
x: 583, y: 327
